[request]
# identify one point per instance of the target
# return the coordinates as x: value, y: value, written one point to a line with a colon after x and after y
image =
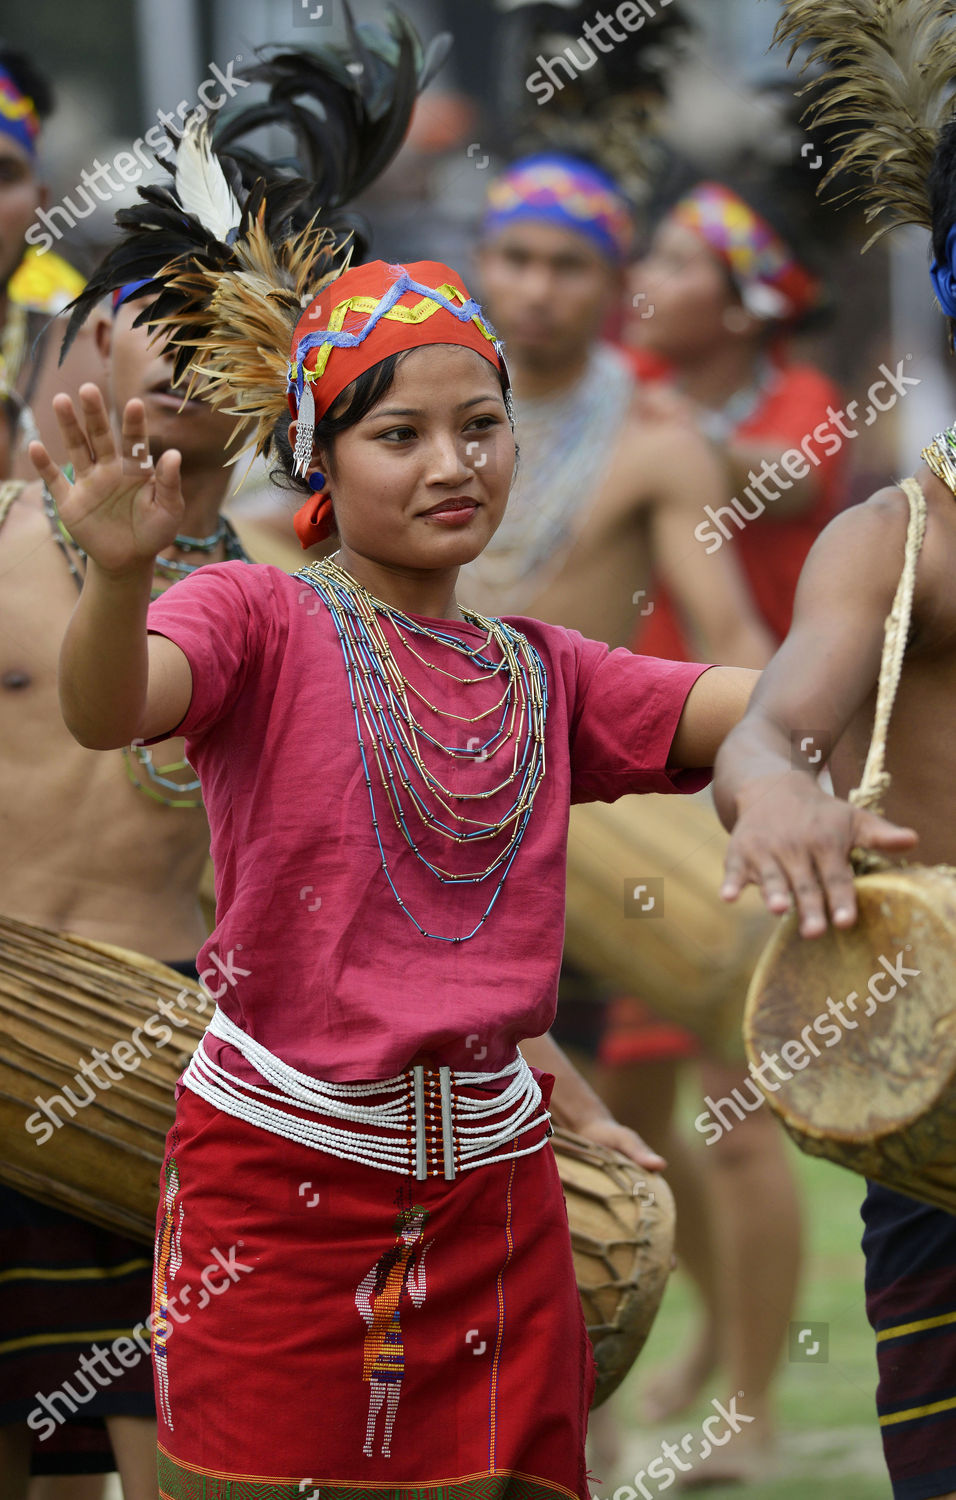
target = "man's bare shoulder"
x: 859, y: 556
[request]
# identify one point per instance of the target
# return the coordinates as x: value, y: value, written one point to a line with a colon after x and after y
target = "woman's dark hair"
x: 348, y: 409
x: 28, y: 79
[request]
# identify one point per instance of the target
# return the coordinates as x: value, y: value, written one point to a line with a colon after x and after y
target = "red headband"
x: 366, y: 314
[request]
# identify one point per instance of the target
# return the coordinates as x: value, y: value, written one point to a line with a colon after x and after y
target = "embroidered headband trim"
x: 437, y: 309
x: 433, y: 300
x: 567, y: 193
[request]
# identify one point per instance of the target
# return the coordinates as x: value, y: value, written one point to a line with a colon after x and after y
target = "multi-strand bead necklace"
x: 390, y: 733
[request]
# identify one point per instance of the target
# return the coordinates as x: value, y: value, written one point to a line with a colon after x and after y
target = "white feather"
x: 201, y: 185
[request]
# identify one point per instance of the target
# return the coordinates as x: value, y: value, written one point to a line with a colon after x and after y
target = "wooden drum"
x: 95, y: 1151
x: 690, y: 955
x: 879, y: 1097
x: 866, y: 1018
x: 622, y: 1237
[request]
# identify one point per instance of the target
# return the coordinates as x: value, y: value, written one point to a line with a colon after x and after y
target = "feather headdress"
x: 886, y: 89
x: 233, y: 248
x: 347, y: 109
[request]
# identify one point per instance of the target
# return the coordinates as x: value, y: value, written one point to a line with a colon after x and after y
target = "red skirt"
x: 320, y: 1326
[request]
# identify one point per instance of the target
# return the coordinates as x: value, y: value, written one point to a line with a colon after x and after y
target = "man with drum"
x: 875, y: 604
x: 793, y: 841
x: 109, y: 847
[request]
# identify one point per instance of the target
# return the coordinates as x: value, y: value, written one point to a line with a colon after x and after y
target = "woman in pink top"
x: 387, y: 777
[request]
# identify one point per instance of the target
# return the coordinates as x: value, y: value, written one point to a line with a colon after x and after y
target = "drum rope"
x: 875, y: 782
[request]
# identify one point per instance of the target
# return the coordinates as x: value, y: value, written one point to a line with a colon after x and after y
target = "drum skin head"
x: 622, y: 1237
x: 878, y: 1098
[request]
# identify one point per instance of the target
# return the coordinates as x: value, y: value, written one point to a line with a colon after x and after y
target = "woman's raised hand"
x: 120, y: 509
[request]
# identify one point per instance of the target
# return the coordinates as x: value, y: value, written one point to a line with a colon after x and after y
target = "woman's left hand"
x: 605, y: 1131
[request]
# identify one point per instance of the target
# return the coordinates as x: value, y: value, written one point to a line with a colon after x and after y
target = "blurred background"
x: 115, y: 63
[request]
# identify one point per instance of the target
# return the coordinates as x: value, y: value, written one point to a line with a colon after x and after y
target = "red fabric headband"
x: 366, y: 314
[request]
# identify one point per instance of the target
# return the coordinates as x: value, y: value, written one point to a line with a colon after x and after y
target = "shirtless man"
x: 29, y: 343
x: 788, y: 837
x: 793, y: 841
x: 88, y: 850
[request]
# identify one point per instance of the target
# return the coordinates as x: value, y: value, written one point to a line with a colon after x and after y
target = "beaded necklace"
x: 155, y: 781
x: 720, y: 423
x: 386, y: 725
x: 940, y: 456
x: 12, y: 347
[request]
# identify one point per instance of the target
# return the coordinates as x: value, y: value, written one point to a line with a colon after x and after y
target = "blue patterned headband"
x: 567, y: 193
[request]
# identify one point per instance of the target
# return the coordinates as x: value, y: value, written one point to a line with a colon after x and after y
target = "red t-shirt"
x: 317, y: 960
x: 771, y: 550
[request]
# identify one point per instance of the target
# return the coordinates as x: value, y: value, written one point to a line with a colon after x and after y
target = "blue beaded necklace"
x: 386, y: 725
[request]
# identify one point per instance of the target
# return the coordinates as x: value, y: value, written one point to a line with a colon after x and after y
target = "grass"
x: 827, y: 1419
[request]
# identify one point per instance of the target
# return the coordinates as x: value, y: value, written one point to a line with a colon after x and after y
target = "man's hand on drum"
x: 793, y: 842
x: 789, y: 838
x: 120, y: 509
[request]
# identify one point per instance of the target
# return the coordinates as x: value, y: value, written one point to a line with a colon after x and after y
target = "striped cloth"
x: 65, y: 1286
x: 910, y: 1251
x: 68, y: 1287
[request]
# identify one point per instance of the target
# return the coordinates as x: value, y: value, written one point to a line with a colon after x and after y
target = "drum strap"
x: 424, y: 1123
x: 876, y: 781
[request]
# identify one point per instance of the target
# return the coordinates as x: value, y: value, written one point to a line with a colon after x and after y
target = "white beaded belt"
x: 423, y: 1124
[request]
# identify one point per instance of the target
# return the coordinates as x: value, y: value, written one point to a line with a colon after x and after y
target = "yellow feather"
x: 887, y: 89
x: 240, y: 323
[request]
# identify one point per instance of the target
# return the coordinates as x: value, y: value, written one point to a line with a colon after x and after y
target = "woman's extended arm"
x: 715, y: 704
x: 117, y: 684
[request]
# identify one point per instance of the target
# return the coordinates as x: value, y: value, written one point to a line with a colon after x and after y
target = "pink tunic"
x: 312, y: 955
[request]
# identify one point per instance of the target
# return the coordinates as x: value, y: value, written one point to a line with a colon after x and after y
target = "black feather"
x: 347, y: 107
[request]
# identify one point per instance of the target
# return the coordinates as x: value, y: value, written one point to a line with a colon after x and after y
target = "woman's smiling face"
x: 422, y: 481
